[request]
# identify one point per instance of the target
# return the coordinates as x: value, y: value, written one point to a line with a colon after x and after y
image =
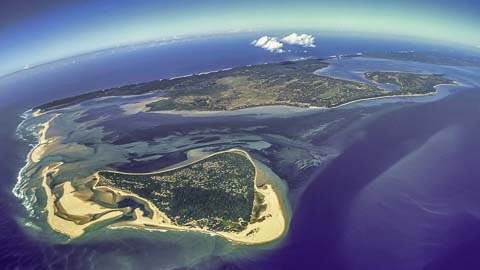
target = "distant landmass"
x: 430, y: 57
x: 286, y: 83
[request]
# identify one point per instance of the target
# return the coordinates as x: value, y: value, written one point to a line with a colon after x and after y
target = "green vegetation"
x: 409, y: 83
x: 216, y: 192
x: 289, y: 83
x: 285, y: 83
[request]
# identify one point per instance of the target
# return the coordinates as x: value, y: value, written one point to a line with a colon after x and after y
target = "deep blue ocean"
x: 403, y: 195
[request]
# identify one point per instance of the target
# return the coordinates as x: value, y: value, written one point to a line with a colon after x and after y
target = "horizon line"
x: 183, y: 38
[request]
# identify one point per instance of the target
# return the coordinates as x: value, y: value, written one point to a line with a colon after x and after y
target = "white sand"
x: 72, y: 213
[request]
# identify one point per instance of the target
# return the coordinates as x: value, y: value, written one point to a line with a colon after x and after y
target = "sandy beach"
x: 38, y: 152
x: 75, y: 210
x: 69, y: 214
x: 290, y: 109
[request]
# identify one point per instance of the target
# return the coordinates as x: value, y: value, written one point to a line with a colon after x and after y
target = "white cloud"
x: 273, y: 44
x: 269, y: 43
x: 302, y: 40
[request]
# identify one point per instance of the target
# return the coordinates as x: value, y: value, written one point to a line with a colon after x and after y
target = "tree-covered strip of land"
x: 216, y: 192
x: 288, y: 83
x: 198, y: 84
x: 291, y: 83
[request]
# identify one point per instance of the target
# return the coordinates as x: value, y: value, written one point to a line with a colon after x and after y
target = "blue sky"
x: 32, y: 32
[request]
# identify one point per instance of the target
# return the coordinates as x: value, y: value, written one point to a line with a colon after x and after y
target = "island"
x: 292, y: 83
x: 221, y: 194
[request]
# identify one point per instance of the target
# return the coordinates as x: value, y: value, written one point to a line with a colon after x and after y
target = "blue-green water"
x: 401, y: 194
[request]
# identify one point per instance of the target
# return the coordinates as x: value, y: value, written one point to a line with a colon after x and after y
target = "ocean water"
x: 402, y: 195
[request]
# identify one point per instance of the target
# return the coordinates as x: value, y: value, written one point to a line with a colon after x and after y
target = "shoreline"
x: 396, y: 96
x: 38, y: 112
x: 39, y: 150
x: 40, y: 141
x: 237, y: 238
x: 141, y: 106
x: 50, y: 206
x: 383, y: 97
x: 61, y: 224
x: 299, y: 108
x: 159, y: 221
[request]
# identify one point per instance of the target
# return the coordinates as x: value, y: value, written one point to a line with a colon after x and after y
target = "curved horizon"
x: 40, y: 34
x: 223, y: 35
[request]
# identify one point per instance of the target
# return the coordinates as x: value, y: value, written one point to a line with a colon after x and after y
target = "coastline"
x: 141, y: 106
x: 37, y: 111
x: 455, y: 83
x: 296, y: 109
x: 18, y: 190
x: 383, y: 97
x: 40, y: 149
x: 52, y: 202
x: 161, y: 222
x: 71, y: 224
x: 35, y: 153
x: 67, y: 211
